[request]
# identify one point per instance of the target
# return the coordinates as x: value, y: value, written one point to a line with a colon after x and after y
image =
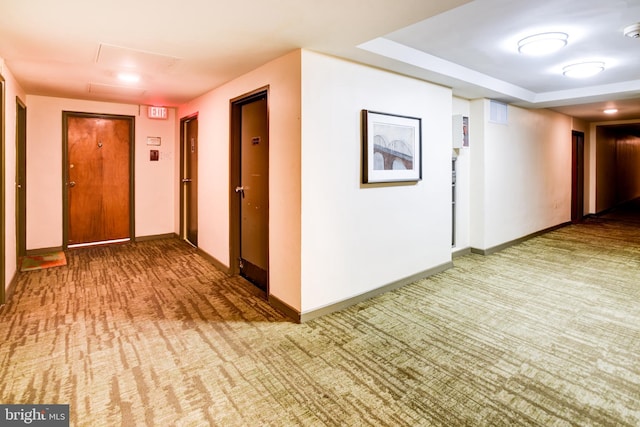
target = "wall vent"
x: 497, y: 112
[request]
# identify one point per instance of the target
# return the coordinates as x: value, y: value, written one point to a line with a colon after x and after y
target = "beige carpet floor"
x: 545, y: 333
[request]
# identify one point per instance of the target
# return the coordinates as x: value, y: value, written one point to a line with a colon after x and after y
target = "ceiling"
x: 76, y: 48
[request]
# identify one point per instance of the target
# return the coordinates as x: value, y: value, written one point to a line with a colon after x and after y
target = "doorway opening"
x: 249, y: 192
x: 98, y: 158
x: 189, y: 183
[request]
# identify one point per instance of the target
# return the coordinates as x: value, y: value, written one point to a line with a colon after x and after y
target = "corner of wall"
x: 477, y: 119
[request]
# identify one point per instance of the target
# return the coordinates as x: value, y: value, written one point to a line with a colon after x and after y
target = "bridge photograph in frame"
x: 391, y: 147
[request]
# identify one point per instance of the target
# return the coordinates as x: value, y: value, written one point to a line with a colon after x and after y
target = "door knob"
x: 240, y: 190
x: 72, y: 183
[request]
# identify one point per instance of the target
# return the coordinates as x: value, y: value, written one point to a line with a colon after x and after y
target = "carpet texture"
x: 545, y: 333
x: 37, y: 262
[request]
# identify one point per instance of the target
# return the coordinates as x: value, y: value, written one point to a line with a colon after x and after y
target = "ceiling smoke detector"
x: 632, y: 31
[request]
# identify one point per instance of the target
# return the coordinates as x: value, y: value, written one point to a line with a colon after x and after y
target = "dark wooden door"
x: 2, y: 187
x: 99, y: 179
x: 577, y: 176
x: 253, y: 191
x: 190, y: 179
x: 21, y: 178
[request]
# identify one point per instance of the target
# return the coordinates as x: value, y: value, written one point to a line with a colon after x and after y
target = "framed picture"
x: 391, y: 147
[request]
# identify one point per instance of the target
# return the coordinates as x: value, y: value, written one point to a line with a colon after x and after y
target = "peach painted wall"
x: 522, y: 173
x: 282, y: 77
x: 155, y: 182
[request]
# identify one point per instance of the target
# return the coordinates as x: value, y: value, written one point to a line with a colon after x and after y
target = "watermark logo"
x: 34, y: 415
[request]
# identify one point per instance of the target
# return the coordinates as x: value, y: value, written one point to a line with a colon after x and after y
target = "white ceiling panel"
x: 184, y: 49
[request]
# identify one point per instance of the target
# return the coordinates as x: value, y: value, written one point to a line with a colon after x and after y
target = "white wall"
x: 154, y: 181
x: 526, y: 168
x: 282, y: 76
x: 356, y: 238
x: 12, y: 90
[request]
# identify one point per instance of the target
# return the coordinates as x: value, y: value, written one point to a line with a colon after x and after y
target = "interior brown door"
x: 190, y: 179
x: 577, y: 176
x: 2, y: 195
x: 98, y: 179
x: 21, y: 178
x: 253, y: 191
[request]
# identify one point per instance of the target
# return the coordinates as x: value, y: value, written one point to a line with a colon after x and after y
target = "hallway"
x: 543, y: 333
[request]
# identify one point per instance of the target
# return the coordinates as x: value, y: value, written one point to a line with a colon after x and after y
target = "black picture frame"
x: 391, y: 147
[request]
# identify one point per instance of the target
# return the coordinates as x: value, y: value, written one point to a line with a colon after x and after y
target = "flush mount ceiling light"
x: 610, y: 111
x: 129, y: 77
x: 632, y: 31
x: 583, y: 69
x: 543, y: 43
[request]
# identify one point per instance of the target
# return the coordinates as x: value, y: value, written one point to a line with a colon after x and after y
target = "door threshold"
x: 104, y: 242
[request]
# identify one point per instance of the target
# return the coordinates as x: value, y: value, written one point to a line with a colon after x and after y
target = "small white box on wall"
x: 460, y: 131
x: 154, y: 140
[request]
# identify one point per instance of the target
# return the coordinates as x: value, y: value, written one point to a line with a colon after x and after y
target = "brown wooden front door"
x: 99, y: 171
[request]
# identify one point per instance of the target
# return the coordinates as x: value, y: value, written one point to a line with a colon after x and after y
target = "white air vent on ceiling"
x: 102, y: 89
x: 124, y: 58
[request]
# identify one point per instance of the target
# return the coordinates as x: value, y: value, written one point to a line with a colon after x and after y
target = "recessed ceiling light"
x: 129, y: 77
x: 610, y: 111
x: 583, y: 69
x: 543, y: 43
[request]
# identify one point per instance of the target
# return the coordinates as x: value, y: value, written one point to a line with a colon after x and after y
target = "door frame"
x: 21, y: 179
x: 577, y: 176
x: 2, y: 193
x: 183, y: 196
x: 65, y: 169
x: 234, y: 175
